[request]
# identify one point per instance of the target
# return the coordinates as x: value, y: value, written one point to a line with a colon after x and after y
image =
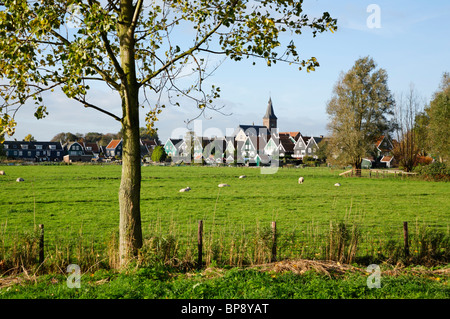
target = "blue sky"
x: 412, y: 45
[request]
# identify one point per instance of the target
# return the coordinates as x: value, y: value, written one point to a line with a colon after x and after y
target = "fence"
x: 208, y: 242
x: 376, y: 173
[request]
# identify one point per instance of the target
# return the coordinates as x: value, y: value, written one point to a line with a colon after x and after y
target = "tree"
x: 159, y: 154
x: 139, y: 52
x: 407, y: 149
x: 29, y: 138
x: 146, y: 135
x: 439, y: 126
x: 358, y: 112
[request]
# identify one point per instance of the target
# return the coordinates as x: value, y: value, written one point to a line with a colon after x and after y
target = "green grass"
x: 78, y: 205
x: 235, y: 283
x: 81, y: 202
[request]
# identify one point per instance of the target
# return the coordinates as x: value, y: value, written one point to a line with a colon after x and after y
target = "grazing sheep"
x: 2, y: 173
x: 242, y: 176
x: 187, y: 189
x: 20, y: 179
x: 223, y: 185
x: 337, y: 184
x: 301, y: 180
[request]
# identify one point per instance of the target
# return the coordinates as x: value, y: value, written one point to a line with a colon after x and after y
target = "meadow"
x: 362, y: 220
x: 358, y: 223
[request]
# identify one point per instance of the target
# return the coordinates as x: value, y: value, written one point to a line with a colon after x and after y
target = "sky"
x: 409, y: 39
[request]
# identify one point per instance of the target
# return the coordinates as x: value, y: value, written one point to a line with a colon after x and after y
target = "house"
x: 91, y: 148
x: 34, y: 151
x: 76, y: 152
x: 252, y: 146
x: 114, y: 149
x: 171, y: 146
x: 300, y: 147
x: 384, y: 146
x: 306, y: 146
x: 147, y: 147
x: 243, y: 131
x: 287, y: 144
x: 74, y: 148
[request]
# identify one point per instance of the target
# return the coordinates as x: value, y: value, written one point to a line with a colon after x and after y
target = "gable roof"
x: 113, y: 144
x: 294, y: 135
x: 252, y: 130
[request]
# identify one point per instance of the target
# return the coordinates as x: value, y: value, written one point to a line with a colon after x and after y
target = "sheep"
x: 20, y: 179
x: 224, y: 185
x: 187, y: 189
x: 301, y: 180
x: 2, y: 173
x: 337, y: 184
x: 242, y: 176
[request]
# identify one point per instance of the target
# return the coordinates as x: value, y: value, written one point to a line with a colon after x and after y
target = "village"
x: 250, y: 145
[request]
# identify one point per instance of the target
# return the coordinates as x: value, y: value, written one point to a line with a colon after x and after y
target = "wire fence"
x: 224, y: 242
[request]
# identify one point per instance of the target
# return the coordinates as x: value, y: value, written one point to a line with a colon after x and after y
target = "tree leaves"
x: 40, y: 50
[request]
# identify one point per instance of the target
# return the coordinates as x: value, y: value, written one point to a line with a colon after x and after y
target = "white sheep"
x: 301, y: 180
x: 2, y: 173
x: 20, y: 179
x: 224, y: 185
x: 187, y: 189
x: 242, y: 176
x: 337, y: 184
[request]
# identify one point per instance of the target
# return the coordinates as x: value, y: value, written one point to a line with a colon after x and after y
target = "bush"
x: 159, y: 154
x: 436, y: 171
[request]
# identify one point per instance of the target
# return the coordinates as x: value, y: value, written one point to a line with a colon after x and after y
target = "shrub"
x: 158, y: 155
x: 436, y: 171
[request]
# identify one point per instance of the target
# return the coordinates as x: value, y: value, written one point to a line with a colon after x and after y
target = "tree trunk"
x: 358, y: 165
x: 130, y: 231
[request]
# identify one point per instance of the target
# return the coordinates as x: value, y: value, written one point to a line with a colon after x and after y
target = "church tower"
x: 270, y: 120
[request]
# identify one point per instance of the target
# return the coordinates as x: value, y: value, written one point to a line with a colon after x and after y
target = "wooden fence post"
x: 200, y: 243
x: 274, y: 241
x: 41, y: 243
x: 406, y: 240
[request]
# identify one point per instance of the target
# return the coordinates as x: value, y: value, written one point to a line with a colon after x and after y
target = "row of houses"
x: 262, y: 144
x: 249, y: 144
x: 39, y: 151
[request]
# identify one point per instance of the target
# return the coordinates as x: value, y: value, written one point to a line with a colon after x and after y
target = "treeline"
x: 102, y: 139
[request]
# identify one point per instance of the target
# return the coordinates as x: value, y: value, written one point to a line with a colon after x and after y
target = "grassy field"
x: 361, y: 221
x: 74, y: 201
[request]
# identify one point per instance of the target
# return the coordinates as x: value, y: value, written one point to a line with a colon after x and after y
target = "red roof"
x: 113, y: 143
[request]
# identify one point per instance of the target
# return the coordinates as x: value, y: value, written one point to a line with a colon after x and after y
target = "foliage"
x: 29, y: 138
x: 435, y: 171
x: 439, y: 123
x: 234, y: 283
x: 358, y: 112
x: 159, y: 154
x: 407, y: 147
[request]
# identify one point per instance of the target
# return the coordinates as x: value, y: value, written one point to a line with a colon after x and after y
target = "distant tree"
x: 322, y: 151
x: 159, y: 154
x: 358, y: 112
x: 439, y: 126
x: 93, y: 137
x: 406, y: 149
x: 421, y: 124
x: 29, y: 138
x: 66, y: 137
x: 149, y: 135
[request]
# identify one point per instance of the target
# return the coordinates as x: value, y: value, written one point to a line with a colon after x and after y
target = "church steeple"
x: 270, y: 120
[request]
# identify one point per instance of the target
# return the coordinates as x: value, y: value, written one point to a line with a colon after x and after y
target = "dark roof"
x: 32, y: 145
x: 270, y: 114
x: 253, y: 130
